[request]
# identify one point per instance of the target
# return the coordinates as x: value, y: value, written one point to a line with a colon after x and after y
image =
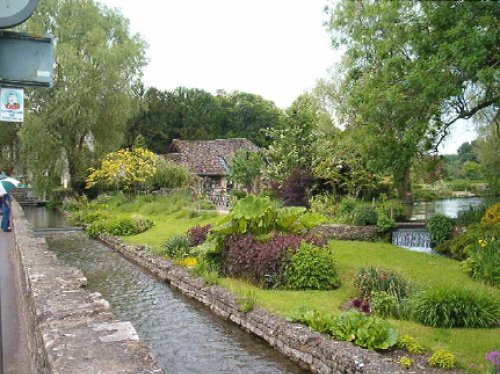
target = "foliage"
x: 178, y: 246
x: 120, y: 226
x: 455, y: 307
x: 443, y: 359
x: 170, y: 175
x: 406, y: 362
x: 402, y: 88
x: 125, y: 169
x: 487, y: 150
x: 188, y: 262
x: 263, y: 262
x: 440, y: 227
x: 410, y: 344
x: 387, y: 305
x: 367, y: 332
x: 84, y: 115
x: 203, y: 203
x: 198, y: 234
x: 247, y: 303
x: 364, y: 215
x: 296, y: 188
x: 370, y: 279
x: 294, y: 139
x: 384, y: 222
x: 456, y: 247
x: 311, y: 268
x: 492, y: 214
x: 246, y: 168
x: 483, y: 259
x: 190, y: 113
x: 470, y: 216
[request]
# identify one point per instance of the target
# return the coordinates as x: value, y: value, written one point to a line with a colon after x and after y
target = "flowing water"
x: 415, y: 239
x: 183, y: 335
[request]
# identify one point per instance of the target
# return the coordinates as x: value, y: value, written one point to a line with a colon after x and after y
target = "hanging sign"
x: 11, y: 104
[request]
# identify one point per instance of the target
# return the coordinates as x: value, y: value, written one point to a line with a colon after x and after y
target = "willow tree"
x: 97, y: 70
x: 410, y: 71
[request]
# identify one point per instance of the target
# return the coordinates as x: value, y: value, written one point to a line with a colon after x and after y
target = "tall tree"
x: 410, y: 71
x: 488, y: 146
x: 84, y: 115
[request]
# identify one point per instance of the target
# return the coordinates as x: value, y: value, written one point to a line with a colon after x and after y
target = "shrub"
x: 178, y: 246
x: 456, y: 247
x: 311, y: 268
x: 449, y: 307
x: 492, y: 214
x: 121, y: 226
x: 443, y: 359
x: 364, y: 215
x: 203, y: 203
x: 483, y: 263
x: 198, y: 234
x: 408, y: 343
x: 471, y: 216
x: 406, y: 362
x: 384, y: 222
x: 367, y: 332
x: 263, y: 262
x: 247, y: 303
x: 440, y: 227
x: 170, y: 175
x: 295, y: 190
x: 370, y: 279
x: 385, y: 304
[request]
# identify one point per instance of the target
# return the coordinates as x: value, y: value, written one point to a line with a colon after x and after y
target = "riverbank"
x: 69, y: 329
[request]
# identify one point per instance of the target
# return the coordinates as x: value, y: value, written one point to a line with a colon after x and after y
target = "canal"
x: 184, y: 336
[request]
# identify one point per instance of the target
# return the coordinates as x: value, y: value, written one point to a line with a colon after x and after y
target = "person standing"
x: 5, y: 213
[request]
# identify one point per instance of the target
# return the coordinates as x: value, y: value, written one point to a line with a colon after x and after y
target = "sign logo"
x: 11, y: 105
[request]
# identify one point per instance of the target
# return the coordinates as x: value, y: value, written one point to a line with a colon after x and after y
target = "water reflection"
x: 449, y: 207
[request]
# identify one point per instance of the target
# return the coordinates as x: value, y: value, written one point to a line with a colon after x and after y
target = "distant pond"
x: 449, y: 207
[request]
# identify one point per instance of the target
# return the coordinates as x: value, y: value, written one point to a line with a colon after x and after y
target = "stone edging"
x: 348, y: 232
x: 317, y: 352
x: 70, y: 329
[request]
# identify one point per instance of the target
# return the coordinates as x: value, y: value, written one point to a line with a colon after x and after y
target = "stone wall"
x: 346, y: 232
x: 317, y: 352
x: 70, y: 329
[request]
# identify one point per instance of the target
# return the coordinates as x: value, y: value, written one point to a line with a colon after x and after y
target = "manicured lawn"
x: 167, y: 226
x: 470, y: 345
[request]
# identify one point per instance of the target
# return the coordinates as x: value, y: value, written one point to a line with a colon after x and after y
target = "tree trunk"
x: 404, y: 187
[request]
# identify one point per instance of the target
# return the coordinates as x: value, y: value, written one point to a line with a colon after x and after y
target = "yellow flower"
x: 189, y: 262
x: 482, y: 243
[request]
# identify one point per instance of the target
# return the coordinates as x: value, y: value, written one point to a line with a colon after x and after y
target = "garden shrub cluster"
x: 492, y: 215
x: 120, y: 226
x: 371, y: 279
x: 364, y: 331
x: 471, y: 216
x: 198, y: 234
x: 455, y: 307
x: 483, y: 261
x: 440, y: 227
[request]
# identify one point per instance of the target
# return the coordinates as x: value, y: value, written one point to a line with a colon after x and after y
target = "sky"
x: 274, y: 48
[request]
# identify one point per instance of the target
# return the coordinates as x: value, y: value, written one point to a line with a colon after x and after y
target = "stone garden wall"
x: 70, y: 329
x: 317, y: 352
x: 346, y: 232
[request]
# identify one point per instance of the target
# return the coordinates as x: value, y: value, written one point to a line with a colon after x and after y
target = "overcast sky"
x: 274, y: 48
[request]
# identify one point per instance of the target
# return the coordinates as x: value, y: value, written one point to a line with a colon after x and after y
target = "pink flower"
x: 493, y: 357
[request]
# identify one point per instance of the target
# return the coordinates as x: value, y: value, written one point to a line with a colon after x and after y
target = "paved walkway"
x: 14, y: 358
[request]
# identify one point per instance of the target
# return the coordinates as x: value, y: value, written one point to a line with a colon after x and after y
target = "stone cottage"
x: 209, y: 159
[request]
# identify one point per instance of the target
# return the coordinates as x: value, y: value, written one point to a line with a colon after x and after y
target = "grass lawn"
x: 470, y: 345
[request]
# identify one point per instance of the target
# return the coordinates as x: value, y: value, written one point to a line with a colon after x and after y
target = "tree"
x: 294, y: 140
x: 84, y: 115
x: 410, y: 71
x: 190, y: 113
x: 467, y: 152
x: 246, y: 168
x: 124, y: 169
x: 488, y: 146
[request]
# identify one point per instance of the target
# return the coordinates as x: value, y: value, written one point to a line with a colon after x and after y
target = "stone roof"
x: 208, y: 157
